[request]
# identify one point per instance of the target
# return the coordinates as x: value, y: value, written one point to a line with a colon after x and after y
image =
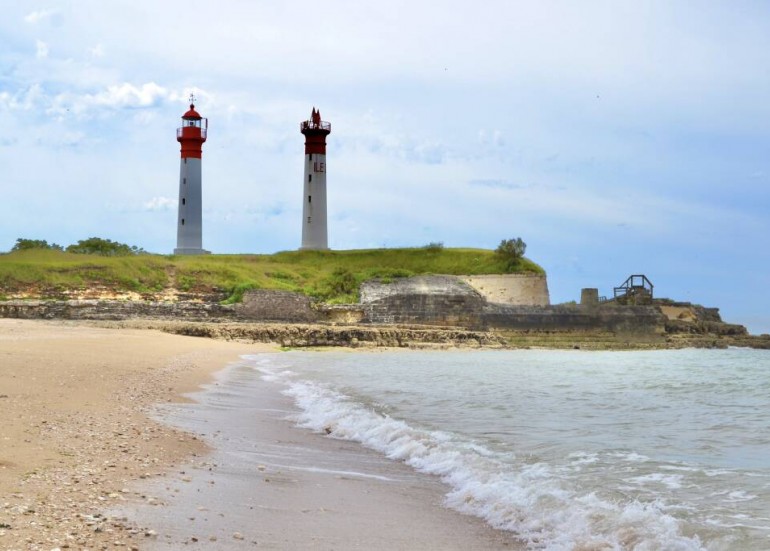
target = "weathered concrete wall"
x: 514, y: 289
x: 374, y: 290
x: 627, y: 319
x: 424, y: 300
x: 285, y: 306
x: 589, y: 296
x: 449, y: 310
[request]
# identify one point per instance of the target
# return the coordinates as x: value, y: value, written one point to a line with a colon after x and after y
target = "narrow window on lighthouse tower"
x: 184, y: 180
x: 183, y: 221
x: 309, y: 177
x: 309, y: 198
x: 310, y: 157
x: 183, y: 201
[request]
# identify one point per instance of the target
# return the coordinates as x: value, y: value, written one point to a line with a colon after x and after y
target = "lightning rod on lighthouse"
x: 190, y: 135
x: 314, y: 230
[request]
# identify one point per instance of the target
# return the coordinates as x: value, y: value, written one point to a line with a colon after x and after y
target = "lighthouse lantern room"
x: 314, y: 230
x: 191, y: 136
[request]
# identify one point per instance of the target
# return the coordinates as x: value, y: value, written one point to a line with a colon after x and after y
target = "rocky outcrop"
x: 694, y: 319
x: 114, y: 310
x: 306, y: 335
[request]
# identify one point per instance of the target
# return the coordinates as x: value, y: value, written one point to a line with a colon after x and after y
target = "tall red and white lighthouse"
x: 314, y: 230
x: 191, y: 136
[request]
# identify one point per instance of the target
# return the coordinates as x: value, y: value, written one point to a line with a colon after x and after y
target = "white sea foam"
x: 671, y: 481
x: 536, y: 501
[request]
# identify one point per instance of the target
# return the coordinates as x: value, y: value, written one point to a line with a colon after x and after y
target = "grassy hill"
x: 333, y: 276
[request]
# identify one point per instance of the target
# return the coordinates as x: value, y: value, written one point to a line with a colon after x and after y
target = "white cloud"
x: 23, y: 100
x: 40, y: 15
x: 42, y: 50
x: 160, y: 204
x: 494, y: 137
x: 116, y: 96
x: 97, y: 51
x: 128, y: 95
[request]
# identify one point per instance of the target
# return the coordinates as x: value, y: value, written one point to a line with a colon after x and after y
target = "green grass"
x: 333, y: 276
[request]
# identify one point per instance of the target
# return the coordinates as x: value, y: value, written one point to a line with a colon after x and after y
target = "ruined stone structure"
x: 429, y: 309
x: 280, y: 306
x: 589, y: 297
x: 513, y: 289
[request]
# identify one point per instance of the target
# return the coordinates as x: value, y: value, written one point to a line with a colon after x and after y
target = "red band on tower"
x: 192, y: 134
x: 315, y: 131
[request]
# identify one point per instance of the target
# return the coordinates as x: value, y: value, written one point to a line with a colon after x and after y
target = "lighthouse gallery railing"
x: 310, y: 125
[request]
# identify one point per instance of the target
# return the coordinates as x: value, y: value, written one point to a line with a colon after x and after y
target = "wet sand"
x: 82, y: 466
x: 271, y: 485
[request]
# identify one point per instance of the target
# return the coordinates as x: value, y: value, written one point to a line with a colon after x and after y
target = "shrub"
x: 342, y: 282
x: 434, y: 247
x: 237, y: 292
x: 29, y: 244
x: 103, y: 247
x: 511, y: 251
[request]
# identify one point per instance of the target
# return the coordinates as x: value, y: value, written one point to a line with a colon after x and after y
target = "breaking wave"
x: 540, y: 503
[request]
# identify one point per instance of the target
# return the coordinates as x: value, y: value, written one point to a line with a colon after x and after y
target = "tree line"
x: 510, y: 251
x: 92, y: 245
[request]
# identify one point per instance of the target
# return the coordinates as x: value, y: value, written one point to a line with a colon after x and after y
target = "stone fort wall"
x: 445, y: 301
x: 513, y: 289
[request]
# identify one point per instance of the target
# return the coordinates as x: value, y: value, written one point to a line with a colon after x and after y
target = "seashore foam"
x: 280, y: 486
x: 534, y: 502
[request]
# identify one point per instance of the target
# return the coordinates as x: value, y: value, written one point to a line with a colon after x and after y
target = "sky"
x: 613, y: 137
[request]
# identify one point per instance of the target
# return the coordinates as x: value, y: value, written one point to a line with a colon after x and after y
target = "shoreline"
x: 370, y: 336
x: 83, y: 453
x: 78, y: 439
x: 271, y: 484
x: 74, y: 429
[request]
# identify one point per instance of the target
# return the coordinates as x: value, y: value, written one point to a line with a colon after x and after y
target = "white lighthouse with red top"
x: 314, y: 231
x: 191, y: 136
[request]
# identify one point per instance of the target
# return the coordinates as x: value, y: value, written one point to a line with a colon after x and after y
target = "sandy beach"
x: 78, y: 445
x: 72, y: 426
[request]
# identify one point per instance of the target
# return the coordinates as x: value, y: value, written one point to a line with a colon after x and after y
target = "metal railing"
x: 636, y: 289
x: 310, y: 125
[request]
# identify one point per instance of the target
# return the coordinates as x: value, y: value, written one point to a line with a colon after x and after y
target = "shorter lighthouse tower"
x: 191, y: 136
x: 314, y: 231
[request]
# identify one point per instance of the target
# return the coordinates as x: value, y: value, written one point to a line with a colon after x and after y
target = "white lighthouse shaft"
x: 189, y: 234
x: 314, y: 232
x: 189, y: 224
